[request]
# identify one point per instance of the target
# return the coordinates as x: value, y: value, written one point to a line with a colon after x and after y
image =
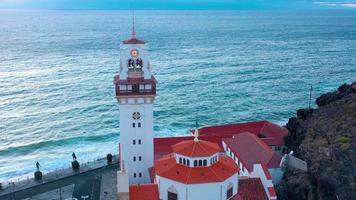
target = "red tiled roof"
x: 163, y: 146
x: 272, y: 134
x: 267, y: 174
x: 252, y: 189
x: 218, y: 172
x: 134, y: 41
x: 144, y: 192
x: 251, y: 150
x: 200, y: 148
x: 275, y: 161
x: 272, y: 192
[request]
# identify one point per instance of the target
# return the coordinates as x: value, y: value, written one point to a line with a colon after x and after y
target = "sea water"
x: 217, y: 67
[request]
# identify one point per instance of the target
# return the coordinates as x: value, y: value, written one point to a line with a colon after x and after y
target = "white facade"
x: 206, y: 191
x: 136, y: 112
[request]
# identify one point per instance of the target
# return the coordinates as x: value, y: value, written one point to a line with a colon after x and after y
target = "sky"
x: 177, y: 4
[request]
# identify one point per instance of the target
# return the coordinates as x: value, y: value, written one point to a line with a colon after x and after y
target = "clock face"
x: 134, y: 53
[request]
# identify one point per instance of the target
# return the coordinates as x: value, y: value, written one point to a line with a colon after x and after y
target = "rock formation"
x: 326, y: 138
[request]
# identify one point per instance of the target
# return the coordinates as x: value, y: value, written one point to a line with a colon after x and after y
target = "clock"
x: 134, y: 53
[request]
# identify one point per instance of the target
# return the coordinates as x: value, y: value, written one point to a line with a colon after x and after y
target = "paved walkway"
x: 90, y: 173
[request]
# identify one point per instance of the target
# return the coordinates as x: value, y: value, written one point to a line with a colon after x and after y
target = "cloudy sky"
x: 177, y: 4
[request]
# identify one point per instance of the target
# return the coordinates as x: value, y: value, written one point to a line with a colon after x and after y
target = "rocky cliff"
x: 326, y: 138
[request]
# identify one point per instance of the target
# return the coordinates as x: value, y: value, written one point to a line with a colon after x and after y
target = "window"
x: 133, y: 125
x: 133, y: 142
x: 135, y: 88
x: 229, y: 193
x: 134, y: 158
x: 139, y: 124
x: 172, y: 196
x: 180, y: 160
x: 139, y: 158
x: 136, y: 115
x: 188, y: 162
x: 139, y: 141
x: 140, y: 175
x: 184, y: 162
x: 204, y: 163
x: 134, y: 175
x: 200, y: 162
x: 195, y: 163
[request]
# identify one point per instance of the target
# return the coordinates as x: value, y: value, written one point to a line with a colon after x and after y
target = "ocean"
x: 217, y: 67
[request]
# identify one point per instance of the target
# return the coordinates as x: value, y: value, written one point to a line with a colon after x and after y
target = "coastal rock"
x: 326, y: 139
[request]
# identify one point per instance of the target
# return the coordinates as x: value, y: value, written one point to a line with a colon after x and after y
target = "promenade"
x: 87, y: 183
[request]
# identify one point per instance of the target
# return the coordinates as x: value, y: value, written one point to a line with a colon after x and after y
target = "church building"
x: 213, y: 163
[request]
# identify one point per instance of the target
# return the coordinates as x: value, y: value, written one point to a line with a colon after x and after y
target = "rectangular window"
x: 139, y: 141
x: 139, y: 124
x: 139, y: 158
x: 133, y: 125
x: 133, y: 142
x: 172, y: 196
x: 229, y: 193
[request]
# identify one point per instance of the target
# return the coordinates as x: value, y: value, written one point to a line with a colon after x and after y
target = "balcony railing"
x: 135, y: 92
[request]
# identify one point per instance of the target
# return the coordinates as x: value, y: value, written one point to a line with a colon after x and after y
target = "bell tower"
x: 135, y: 88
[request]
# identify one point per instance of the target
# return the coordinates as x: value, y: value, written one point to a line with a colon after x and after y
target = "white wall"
x: 258, y: 172
x: 207, y: 191
x: 143, y: 133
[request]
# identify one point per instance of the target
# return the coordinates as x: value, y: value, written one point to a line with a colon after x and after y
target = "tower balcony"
x: 135, y: 86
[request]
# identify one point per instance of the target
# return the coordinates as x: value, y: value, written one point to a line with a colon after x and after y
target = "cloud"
x: 330, y: 4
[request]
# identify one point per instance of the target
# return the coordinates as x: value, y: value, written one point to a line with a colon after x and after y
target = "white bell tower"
x: 135, y: 91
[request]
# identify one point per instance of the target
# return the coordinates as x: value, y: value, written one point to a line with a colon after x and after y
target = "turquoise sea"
x: 57, y: 68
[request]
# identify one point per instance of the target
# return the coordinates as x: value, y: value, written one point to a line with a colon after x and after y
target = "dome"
x: 134, y: 40
x: 196, y: 149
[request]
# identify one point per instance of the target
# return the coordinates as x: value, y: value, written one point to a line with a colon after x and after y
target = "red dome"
x: 134, y: 40
x: 196, y: 149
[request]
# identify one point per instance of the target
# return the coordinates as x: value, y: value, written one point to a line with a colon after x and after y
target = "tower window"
x: 134, y: 158
x: 139, y: 158
x: 139, y: 141
x: 133, y: 142
x: 200, y: 162
x: 135, y: 88
x: 140, y: 175
x: 204, y: 163
x: 188, y: 162
x: 184, y: 161
x: 135, y: 175
x: 133, y: 125
x: 180, y: 160
x: 172, y: 196
x: 195, y: 163
x: 139, y: 124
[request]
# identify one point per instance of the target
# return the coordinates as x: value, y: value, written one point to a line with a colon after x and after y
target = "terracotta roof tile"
x: 272, y: 134
x: 144, y: 192
x: 196, y: 149
x: 218, y: 172
x: 251, y: 150
x: 272, y: 192
x: 163, y: 146
x: 252, y: 189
